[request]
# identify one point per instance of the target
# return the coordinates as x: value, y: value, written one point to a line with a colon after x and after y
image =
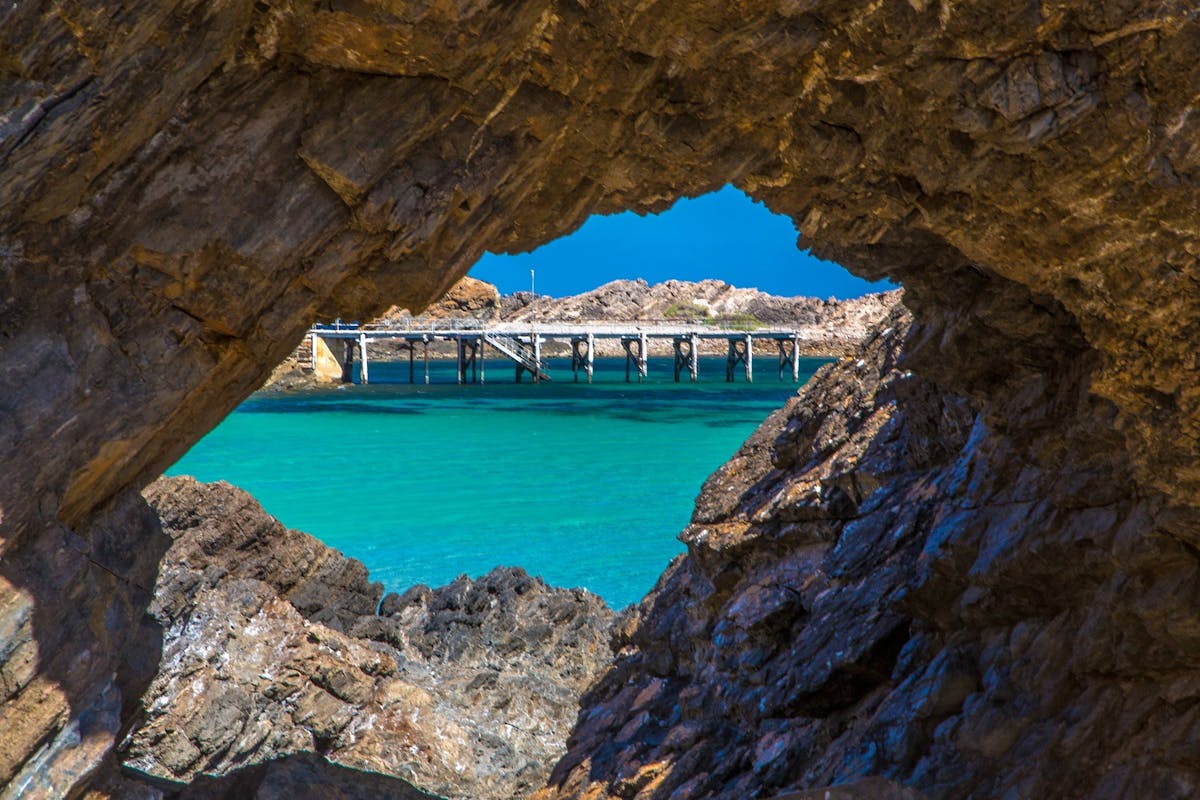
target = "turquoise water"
x: 583, y: 485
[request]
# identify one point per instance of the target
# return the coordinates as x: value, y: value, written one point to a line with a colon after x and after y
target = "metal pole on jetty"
x: 533, y: 334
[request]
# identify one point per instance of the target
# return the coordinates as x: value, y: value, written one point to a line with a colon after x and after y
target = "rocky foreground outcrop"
x: 877, y: 584
x: 275, y: 646
x: 186, y: 186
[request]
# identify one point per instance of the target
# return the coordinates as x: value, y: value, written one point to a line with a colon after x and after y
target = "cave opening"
x: 538, y: 476
x: 191, y: 190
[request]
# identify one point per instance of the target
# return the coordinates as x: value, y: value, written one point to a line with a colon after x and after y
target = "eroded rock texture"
x: 276, y: 646
x: 885, y: 583
x: 186, y: 185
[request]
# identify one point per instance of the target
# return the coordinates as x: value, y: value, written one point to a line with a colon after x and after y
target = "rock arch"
x: 187, y: 185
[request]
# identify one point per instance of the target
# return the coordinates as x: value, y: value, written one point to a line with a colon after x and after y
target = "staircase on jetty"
x: 526, y: 357
x: 333, y: 348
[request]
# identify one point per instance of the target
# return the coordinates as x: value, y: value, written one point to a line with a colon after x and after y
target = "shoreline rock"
x: 275, y: 645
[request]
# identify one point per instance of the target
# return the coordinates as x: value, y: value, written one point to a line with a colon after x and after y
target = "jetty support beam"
x: 635, y: 355
x: 737, y: 354
x: 694, y: 359
x: 796, y: 358
x: 749, y: 358
x: 685, y: 356
x: 583, y: 355
x: 348, y: 346
x: 364, y: 376
x: 789, y: 356
x: 468, y: 357
x: 537, y: 356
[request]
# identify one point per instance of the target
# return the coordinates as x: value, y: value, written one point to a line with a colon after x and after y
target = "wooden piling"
x: 364, y: 374
x: 480, y: 348
x: 348, y: 361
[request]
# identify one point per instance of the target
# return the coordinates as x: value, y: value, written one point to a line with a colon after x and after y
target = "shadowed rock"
x: 875, y: 586
x: 286, y: 778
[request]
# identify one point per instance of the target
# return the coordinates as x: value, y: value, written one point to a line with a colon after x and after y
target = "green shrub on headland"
x: 686, y: 310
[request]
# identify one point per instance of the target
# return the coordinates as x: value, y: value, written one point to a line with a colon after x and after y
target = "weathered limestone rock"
x: 185, y: 186
x: 272, y: 647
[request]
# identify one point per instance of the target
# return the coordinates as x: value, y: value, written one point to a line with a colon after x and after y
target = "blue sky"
x: 723, y: 235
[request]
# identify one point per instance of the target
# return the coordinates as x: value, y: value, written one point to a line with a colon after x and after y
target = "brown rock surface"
x: 709, y: 299
x: 186, y: 186
x: 470, y: 298
x: 272, y: 647
x: 881, y: 584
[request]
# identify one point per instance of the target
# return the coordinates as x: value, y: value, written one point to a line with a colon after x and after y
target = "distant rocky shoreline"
x: 829, y: 328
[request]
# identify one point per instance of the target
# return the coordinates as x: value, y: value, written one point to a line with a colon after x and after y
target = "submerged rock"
x: 273, y: 647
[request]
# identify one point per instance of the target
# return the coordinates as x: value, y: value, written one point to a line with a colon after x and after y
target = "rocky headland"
x: 277, y: 647
x: 826, y: 328
x: 186, y: 187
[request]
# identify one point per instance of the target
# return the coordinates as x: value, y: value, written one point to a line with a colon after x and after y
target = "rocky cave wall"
x: 186, y: 186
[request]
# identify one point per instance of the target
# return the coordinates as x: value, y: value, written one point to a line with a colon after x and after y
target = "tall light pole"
x: 533, y: 334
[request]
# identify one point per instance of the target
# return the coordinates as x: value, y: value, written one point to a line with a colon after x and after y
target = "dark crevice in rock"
x: 850, y: 683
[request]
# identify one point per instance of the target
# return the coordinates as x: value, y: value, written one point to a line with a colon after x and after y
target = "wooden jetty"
x: 336, y: 347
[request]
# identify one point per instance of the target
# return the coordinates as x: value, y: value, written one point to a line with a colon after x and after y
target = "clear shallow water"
x: 582, y: 485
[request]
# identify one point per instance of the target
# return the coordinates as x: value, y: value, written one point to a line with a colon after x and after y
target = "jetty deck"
x: 336, y: 347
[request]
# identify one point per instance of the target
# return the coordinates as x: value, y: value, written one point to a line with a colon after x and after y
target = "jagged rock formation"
x: 880, y: 584
x: 273, y: 647
x: 185, y: 186
x: 683, y: 301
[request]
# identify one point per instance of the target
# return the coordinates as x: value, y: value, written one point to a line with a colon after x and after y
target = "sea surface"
x: 584, y: 485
